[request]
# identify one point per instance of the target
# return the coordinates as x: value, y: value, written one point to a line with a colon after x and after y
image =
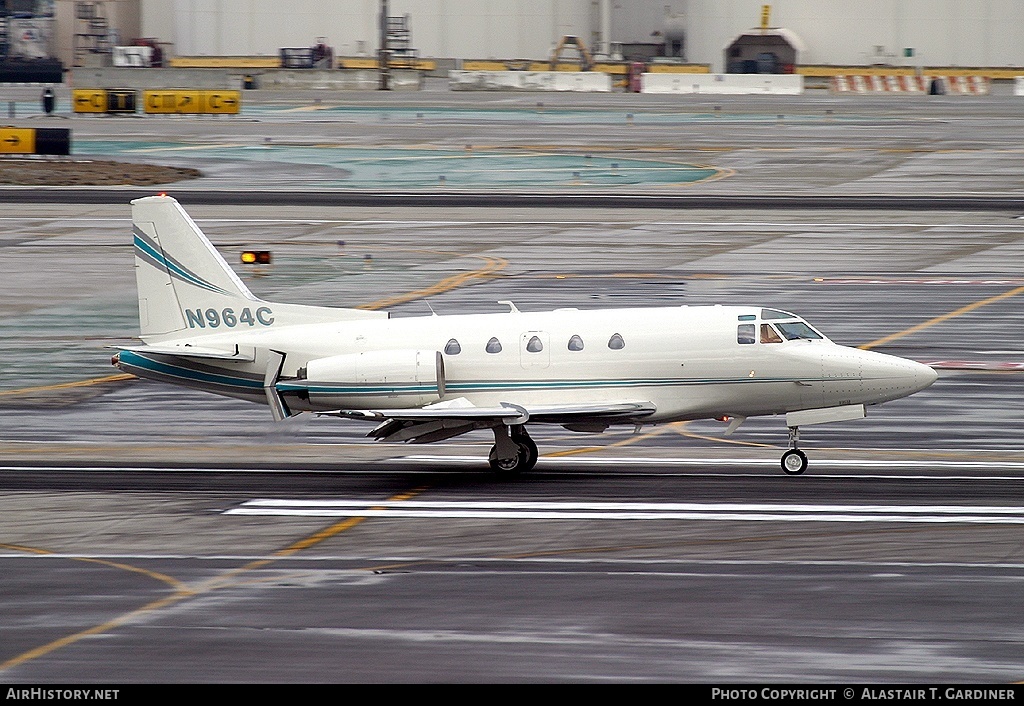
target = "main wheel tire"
x: 794, y: 462
x: 510, y: 467
x: 523, y: 438
x: 532, y: 453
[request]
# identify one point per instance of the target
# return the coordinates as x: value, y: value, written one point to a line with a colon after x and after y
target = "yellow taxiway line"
x: 945, y: 317
x: 182, y: 591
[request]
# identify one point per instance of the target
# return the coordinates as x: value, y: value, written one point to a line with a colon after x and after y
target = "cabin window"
x: 575, y: 343
x: 452, y: 347
x: 769, y: 334
x: 616, y: 343
x: 493, y: 346
x: 534, y: 345
x: 745, y: 333
x: 793, y: 330
x: 746, y: 317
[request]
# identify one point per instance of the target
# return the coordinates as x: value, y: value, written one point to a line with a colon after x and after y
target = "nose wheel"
x: 794, y: 461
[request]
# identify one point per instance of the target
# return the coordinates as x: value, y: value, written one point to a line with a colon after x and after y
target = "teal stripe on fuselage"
x: 501, y: 386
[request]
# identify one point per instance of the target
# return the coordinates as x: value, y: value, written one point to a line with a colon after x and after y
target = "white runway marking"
x: 540, y: 510
x: 712, y: 462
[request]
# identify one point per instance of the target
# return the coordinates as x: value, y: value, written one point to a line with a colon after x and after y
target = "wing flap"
x: 519, y: 414
x: 559, y: 414
x: 506, y: 411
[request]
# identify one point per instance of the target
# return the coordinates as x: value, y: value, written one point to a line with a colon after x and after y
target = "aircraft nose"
x: 926, y: 375
x: 888, y: 377
x: 921, y: 375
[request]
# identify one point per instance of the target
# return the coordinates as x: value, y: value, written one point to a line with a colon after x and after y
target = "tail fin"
x: 186, y: 286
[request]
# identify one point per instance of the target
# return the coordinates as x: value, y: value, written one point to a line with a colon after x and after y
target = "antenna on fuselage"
x: 511, y: 306
x: 432, y: 312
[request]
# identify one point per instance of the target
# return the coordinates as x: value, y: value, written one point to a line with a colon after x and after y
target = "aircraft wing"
x: 451, y: 418
x: 564, y: 413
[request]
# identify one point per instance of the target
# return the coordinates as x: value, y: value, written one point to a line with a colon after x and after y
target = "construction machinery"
x: 585, y: 60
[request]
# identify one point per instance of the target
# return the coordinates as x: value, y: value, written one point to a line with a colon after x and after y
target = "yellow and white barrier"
x: 875, y: 83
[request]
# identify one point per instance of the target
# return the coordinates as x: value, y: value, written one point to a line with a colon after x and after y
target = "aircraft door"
x: 534, y: 349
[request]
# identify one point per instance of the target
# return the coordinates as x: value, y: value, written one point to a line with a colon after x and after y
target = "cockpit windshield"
x: 791, y: 326
x: 794, y: 330
x: 783, y: 327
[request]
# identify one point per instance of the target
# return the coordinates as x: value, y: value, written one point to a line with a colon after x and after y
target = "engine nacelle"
x: 410, y: 377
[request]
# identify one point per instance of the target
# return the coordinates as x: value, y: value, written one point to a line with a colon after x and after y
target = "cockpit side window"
x: 769, y: 334
x: 794, y: 330
x: 745, y: 334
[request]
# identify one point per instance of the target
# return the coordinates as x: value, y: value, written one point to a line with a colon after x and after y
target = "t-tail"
x: 186, y: 289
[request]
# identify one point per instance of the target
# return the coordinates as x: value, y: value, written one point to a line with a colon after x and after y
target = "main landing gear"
x: 794, y: 461
x: 514, y: 452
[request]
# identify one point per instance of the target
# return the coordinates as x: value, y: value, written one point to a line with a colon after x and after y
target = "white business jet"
x: 431, y: 378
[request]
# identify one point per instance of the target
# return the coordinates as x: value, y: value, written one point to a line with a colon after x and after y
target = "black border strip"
x: 228, y: 197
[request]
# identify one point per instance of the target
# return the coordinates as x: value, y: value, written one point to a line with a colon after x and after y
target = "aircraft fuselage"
x: 691, y: 362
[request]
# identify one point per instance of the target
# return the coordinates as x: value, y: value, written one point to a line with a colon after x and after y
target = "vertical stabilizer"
x: 177, y: 268
x: 186, y: 289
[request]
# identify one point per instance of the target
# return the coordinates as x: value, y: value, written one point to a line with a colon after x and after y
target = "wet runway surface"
x: 437, y: 140
x: 149, y: 534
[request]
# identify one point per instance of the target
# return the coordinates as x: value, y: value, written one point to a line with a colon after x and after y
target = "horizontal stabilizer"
x: 241, y: 354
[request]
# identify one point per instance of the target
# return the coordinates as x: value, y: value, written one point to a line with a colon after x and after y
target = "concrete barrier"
x: 339, y: 80
x: 582, y: 81
x: 125, y: 77
x: 724, y: 84
x: 233, y: 78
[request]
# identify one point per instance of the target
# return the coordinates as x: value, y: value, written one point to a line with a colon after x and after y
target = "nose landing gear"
x: 794, y: 461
